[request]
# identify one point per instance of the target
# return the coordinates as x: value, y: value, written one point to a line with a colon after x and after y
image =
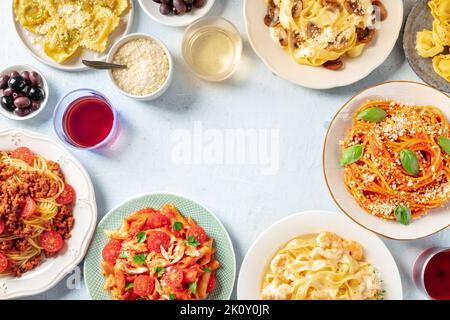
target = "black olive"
x: 199, y: 3
x: 22, y: 112
x: 36, y: 93
x: 180, y: 6
x: 164, y: 9
x: 4, y: 81
x: 17, y: 83
x: 7, y: 103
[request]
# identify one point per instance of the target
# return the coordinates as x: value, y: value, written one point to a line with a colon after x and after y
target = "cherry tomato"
x: 2, y: 226
x: 156, y: 239
x: 24, y: 154
x: 52, y: 241
x: 111, y: 251
x: 131, y: 296
x: 67, y: 196
x: 198, y: 233
x: 3, y: 262
x: 173, y: 276
x: 157, y: 220
x: 29, y: 207
x: 212, y: 283
x: 190, y: 275
x: 143, y: 285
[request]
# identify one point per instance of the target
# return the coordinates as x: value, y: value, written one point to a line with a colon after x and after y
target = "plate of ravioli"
x: 63, y: 33
x: 426, y: 42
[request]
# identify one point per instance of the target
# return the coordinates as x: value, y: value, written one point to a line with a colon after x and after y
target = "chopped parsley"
x: 140, y: 258
x: 123, y: 255
x: 159, y: 271
x: 192, y: 241
x: 141, y: 236
x: 207, y: 269
x: 172, y: 296
x: 193, y: 287
x: 177, y: 225
x: 129, y: 286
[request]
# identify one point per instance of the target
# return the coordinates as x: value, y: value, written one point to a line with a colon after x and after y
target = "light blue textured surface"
x: 245, y: 201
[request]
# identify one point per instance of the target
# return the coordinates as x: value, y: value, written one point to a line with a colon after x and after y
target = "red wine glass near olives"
x: 178, y: 7
x: 21, y: 93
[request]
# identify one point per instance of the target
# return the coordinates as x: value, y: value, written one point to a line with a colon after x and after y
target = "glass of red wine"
x: 85, y: 119
x: 431, y: 273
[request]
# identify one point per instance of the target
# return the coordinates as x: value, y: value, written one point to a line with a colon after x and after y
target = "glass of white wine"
x: 212, y: 48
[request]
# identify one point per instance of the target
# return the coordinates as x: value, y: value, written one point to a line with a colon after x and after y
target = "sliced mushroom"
x: 382, y: 8
x: 272, y: 17
x: 333, y: 65
x: 365, y: 35
x: 354, y: 6
x: 295, y: 40
x: 297, y: 8
x: 312, y: 30
x: 331, y: 4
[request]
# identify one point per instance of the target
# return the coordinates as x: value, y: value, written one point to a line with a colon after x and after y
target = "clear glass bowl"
x: 62, y: 107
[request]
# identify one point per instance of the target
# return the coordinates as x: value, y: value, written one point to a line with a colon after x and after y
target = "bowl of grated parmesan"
x: 149, y: 66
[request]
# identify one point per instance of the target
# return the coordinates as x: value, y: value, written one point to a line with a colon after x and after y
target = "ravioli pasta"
x: 317, y: 32
x: 320, y: 267
x: 67, y: 26
x: 432, y: 43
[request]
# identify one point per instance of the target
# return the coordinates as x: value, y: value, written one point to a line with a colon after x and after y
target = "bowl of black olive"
x: 23, y: 92
x: 176, y: 13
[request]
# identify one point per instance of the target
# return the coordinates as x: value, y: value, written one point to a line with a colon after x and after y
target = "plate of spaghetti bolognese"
x: 386, y: 159
x: 47, y: 213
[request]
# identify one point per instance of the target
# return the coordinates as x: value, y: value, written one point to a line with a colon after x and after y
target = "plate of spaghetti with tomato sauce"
x: 387, y: 159
x: 160, y: 247
x: 47, y: 213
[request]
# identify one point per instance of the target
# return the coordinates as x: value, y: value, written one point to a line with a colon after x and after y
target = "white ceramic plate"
x: 280, y: 63
x: 270, y: 241
x: 34, y: 43
x: 409, y: 93
x: 52, y: 270
x: 44, y: 85
x: 151, y: 8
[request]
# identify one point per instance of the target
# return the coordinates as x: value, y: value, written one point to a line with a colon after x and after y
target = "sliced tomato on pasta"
x: 211, y: 283
x: 198, y: 233
x: 143, y: 285
x: 111, y: 251
x: 52, y: 241
x: 4, y: 263
x: 190, y: 275
x: 2, y: 226
x: 67, y: 196
x: 173, y: 276
x: 157, y: 220
x: 24, y: 154
x: 29, y: 207
x: 158, y: 239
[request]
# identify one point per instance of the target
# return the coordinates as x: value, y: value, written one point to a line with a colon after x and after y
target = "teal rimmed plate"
x: 226, y: 274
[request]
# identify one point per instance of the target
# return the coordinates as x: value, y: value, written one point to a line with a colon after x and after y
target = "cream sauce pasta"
x: 321, y: 267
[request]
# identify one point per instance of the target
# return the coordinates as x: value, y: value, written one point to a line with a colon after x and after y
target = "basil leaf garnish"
x: 192, y: 241
x: 409, y: 162
x: 177, y: 226
x: 129, y: 286
x: 403, y: 214
x: 352, y: 154
x: 141, y: 236
x: 445, y: 144
x: 193, y: 287
x: 123, y: 255
x: 172, y: 296
x: 159, y: 271
x: 207, y: 269
x: 374, y: 114
x: 139, y: 258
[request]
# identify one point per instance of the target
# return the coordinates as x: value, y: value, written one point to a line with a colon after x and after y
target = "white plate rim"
x: 153, y: 193
x: 77, y: 257
x: 185, y: 19
x: 268, y: 230
x: 356, y: 95
x: 324, y: 85
x: 56, y: 65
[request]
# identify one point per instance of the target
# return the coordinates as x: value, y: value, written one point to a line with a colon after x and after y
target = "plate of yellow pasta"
x: 318, y: 255
x: 323, y: 44
x: 426, y: 41
x: 160, y: 247
x: 63, y: 33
